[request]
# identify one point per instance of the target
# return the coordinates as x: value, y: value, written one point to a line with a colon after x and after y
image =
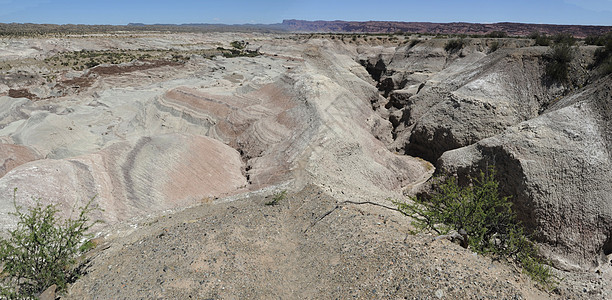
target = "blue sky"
x: 585, y: 12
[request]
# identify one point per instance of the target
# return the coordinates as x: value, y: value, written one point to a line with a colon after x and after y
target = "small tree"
x: 42, y: 250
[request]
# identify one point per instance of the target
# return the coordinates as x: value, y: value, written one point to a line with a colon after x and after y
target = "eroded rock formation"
x: 171, y: 135
x: 347, y: 117
x: 466, y: 109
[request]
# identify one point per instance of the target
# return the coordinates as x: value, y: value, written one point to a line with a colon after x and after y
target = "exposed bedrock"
x: 550, y: 142
x: 445, y: 100
x: 557, y: 167
x: 348, y: 151
x: 12, y: 156
x: 167, y: 137
x: 479, y: 98
x: 129, y: 179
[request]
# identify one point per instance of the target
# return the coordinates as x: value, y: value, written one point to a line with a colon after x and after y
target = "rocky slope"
x: 549, y: 141
x: 557, y: 168
x: 132, y: 135
x: 309, y: 246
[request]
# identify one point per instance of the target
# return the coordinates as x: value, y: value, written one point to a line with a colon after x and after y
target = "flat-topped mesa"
x: 511, y: 29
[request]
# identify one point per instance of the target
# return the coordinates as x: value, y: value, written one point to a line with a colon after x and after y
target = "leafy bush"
x: 494, y: 46
x: 603, y: 55
x: 564, y: 38
x: 559, y: 60
x: 607, y: 65
x: 454, y: 45
x: 599, y: 40
x: 486, y: 217
x: 278, y: 197
x: 540, y: 38
x: 239, y: 44
x: 42, y: 250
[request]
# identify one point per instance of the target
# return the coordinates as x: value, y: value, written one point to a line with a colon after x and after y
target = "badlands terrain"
x: 181, y: 139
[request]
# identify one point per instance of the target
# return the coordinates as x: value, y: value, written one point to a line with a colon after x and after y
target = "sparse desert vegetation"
x: 296, y: 141
x: 41, y: 252
x: 483, y: 220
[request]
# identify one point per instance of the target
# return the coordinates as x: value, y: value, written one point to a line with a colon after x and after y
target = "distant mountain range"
x: 513, y: 29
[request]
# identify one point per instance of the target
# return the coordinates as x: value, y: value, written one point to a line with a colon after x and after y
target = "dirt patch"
x: 309, y: 246
x: 140, y: 66
x: 22, y: 93
x: 80, y: 82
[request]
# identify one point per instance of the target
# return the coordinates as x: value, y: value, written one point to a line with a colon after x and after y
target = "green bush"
x: 564, y: 38
x: 42, y: 250
x: 486, y: 217
x: 494, y: 46
x: 277, y: 198
x: 599, y: 40
x: 238, y: 44
x: 603, y: 55
x: 540, y: 38
x: 454, y: 45
x: 559, y: 59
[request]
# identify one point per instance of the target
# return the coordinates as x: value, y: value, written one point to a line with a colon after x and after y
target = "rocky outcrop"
x: 168, y: 136
x: 440, y: 100
x: 472, y: 108
x: 557, y: 167
x: 307, y: 114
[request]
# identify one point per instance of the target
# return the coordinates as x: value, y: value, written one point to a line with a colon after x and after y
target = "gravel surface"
x: 309, y: 246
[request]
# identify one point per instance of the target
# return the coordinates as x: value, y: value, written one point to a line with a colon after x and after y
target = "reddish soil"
x: 117, y: 69
x: 22, y: 93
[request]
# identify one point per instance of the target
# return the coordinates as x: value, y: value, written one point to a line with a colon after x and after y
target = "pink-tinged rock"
x: 129, y: 179
x: 12, y: 156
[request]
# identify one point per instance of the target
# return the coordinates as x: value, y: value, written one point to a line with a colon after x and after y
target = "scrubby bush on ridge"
x: 540, y: 38
x: 603, y: 55
x: 559, y: 60
x: 454, y: 45
x: 564, y: 38
x: 487, y: 218
x: 41, y: 251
